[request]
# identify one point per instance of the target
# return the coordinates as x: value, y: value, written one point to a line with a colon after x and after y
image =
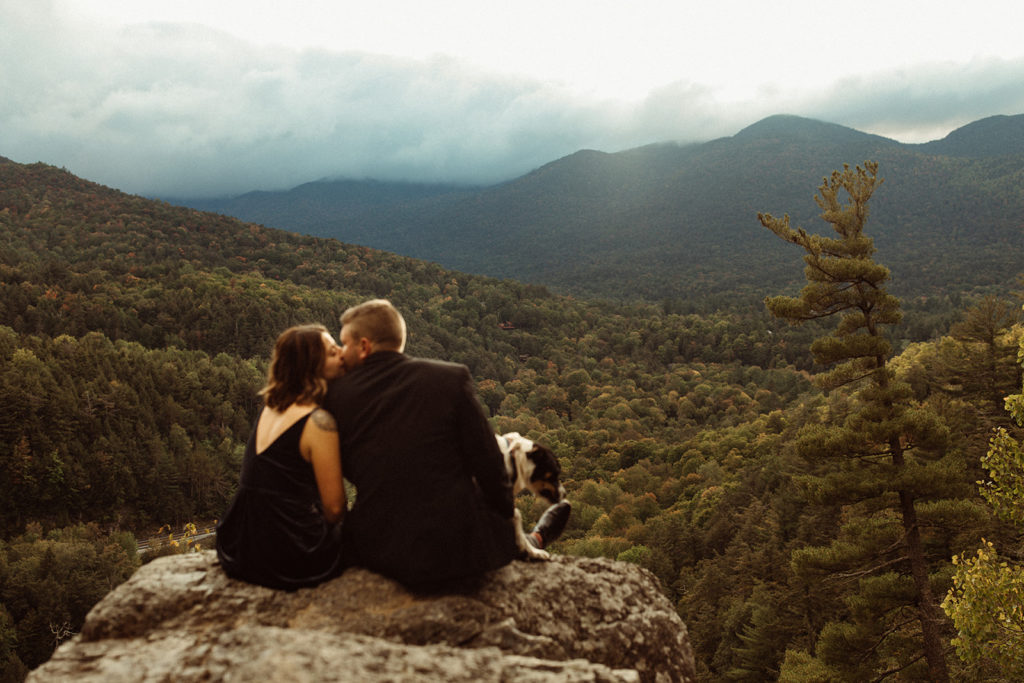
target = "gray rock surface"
x: 180, y: 618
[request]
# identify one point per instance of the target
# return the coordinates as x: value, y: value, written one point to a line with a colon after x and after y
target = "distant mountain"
x: 312, y: 204
x: 996, y: 136
x: 676, y: 221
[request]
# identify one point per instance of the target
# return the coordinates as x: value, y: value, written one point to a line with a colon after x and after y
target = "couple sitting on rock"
x: 433, y: 499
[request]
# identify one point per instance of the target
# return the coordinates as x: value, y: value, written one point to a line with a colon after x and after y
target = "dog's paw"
x: 537, y: 555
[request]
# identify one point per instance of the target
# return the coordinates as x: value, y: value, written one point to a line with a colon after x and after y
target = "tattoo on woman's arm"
x: 324, y: 420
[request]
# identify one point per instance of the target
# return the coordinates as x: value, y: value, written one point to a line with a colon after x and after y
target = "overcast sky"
x: 216, y: 97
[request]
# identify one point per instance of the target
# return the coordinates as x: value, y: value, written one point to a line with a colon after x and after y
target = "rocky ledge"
x: 181, y: 618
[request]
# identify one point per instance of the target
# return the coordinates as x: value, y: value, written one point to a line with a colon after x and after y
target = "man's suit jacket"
x: 433, y: 500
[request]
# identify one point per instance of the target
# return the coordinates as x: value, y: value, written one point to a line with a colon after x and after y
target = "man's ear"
x: 365, y: 348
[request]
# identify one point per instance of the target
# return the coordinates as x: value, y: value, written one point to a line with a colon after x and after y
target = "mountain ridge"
x: 805, y: 129
x: 994, y: 136
x: 668, y: 221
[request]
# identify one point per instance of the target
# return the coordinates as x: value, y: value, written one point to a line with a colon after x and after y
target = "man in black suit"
x: 433, y: 500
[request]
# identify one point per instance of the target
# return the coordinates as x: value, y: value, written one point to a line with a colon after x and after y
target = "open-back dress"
x: 274, y: 533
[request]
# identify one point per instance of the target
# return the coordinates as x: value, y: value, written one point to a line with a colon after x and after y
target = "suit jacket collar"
x: 379, y: 358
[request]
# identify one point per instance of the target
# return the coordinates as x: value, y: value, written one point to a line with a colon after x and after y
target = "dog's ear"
x: 518, y: 446
x: 544, y: 459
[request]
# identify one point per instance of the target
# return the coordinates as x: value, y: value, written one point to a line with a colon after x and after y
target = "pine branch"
x: 846, y: 576
x: 896, y: 670
x: 895, y: 627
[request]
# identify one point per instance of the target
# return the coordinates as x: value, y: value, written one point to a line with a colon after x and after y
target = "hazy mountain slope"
x: 311, y: 205
x: 667, y: 221
x: 995, y: 136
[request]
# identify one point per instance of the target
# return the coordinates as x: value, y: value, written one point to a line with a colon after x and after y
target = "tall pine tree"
x: 878, y: 454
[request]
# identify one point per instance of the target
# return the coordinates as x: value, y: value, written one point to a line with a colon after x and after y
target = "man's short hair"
x: 378, y: 321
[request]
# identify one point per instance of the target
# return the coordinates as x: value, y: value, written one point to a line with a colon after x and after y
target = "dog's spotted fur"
x: 534, y: 468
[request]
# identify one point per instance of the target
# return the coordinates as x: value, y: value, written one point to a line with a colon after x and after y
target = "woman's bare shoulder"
x: 323, y: 420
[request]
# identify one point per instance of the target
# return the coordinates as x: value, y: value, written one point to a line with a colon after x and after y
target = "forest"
x: 725, y: 451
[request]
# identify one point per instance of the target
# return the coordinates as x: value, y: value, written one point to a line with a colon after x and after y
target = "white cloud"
x: 923, y: 103
x: 185, y: 109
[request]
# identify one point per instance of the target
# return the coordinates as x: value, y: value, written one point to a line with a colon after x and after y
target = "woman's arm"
x: 319, y: 444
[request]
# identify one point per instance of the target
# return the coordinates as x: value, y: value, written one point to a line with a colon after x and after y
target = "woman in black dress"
x: 282, y: 529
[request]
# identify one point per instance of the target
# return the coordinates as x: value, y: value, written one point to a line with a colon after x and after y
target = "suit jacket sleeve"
x: 480, y: 449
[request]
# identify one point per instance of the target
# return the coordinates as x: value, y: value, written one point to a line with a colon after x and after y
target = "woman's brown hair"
x: 296, y: 368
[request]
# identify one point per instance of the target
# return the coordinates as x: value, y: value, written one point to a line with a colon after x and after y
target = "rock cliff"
x: 573, y: 619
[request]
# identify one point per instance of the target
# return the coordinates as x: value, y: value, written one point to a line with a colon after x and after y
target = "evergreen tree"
x: 884, y: 452
x: 987, y: 352
x: 986, y: 601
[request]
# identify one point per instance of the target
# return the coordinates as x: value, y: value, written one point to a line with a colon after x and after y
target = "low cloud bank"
x: 185, y: 110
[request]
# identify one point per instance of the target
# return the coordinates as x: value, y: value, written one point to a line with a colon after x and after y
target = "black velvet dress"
x: 274, y: 533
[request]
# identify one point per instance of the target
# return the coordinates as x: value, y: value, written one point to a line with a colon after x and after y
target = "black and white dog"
x: 531, y: 467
